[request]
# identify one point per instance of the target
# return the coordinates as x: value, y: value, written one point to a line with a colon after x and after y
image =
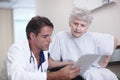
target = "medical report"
x: 85, y: 61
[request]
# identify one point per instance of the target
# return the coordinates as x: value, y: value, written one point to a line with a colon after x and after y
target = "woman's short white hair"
x: 81, y: 14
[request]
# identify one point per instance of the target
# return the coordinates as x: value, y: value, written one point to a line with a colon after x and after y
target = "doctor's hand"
x: 67, y: 73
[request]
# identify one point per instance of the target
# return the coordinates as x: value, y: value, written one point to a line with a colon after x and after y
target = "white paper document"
x: 85, y: 61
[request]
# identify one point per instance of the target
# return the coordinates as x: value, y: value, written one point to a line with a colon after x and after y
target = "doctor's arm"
x: 65, y: 73
x: 53, y: 63
x: 106, y: 58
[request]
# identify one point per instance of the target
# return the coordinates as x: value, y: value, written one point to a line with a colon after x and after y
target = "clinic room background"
x: 106, y: 18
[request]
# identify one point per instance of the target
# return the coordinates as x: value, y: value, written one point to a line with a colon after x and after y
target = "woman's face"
x: 78, y: 27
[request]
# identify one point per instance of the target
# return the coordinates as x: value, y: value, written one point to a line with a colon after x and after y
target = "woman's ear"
x: 32, y: 35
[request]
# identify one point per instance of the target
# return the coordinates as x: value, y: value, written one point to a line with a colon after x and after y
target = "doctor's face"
x: 43, y: 39
x: 78, y: 27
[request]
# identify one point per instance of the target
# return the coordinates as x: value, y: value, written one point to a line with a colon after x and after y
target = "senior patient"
x: 69, y: 46
x: 29, y: 59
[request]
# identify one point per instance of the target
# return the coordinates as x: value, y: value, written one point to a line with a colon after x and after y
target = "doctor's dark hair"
x: 35, y: 25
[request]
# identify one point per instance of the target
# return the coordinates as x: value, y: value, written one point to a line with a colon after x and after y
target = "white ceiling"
x: 17, y: 3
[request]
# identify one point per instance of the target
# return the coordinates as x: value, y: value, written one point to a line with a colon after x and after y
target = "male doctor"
x: 29, y: 59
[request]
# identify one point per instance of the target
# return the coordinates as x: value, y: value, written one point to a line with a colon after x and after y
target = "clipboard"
x: 85, y: 61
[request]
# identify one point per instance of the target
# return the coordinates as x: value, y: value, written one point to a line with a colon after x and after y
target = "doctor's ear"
x: 32, y: 35
x: 70, y: 24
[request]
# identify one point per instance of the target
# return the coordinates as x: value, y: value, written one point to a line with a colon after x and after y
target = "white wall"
x: 6, y: 31
x: 56, y: 10
x: 107, y: 19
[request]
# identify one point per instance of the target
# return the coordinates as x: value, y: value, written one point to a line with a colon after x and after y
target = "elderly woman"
x: 69, y: 46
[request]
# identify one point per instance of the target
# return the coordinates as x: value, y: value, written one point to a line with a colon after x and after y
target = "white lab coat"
x: 18, y: 67
x: 65, y: 46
